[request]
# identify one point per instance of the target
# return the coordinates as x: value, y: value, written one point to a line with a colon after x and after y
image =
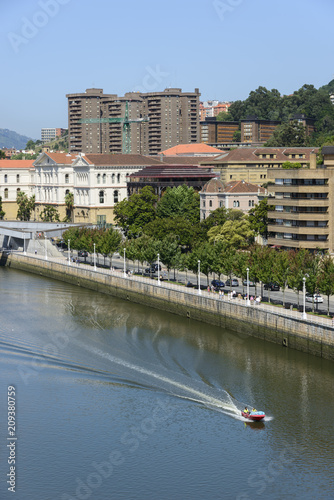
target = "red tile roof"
x: 252, y: 155
x: 183, y: 149
x: 16, y: 163
x: 243, y: 187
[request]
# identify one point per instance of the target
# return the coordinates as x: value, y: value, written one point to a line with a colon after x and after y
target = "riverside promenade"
x: 314, y: 335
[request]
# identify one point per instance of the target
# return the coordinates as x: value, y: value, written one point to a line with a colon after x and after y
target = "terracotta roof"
x: 183, y: 149
x: 243, y: 187
x: 62, y: 158
x: 120, y: 159
x: 213, y: 186
x: 16, y: 163
x: 250, y: 155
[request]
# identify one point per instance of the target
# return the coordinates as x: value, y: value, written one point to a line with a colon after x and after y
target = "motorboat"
x: 254, y: 415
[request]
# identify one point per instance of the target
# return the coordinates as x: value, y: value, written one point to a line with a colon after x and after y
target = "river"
x: 116, y: 401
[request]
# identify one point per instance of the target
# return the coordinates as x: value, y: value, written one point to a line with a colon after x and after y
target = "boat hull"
x: 256, y: 416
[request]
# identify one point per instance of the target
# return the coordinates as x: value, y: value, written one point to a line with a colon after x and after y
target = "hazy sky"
x: 226, y: 48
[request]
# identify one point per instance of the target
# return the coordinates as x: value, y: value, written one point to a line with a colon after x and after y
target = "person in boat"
x: 246, y: 410
x: 254, y: 410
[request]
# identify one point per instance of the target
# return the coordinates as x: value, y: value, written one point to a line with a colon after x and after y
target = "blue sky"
x: 226, y: 48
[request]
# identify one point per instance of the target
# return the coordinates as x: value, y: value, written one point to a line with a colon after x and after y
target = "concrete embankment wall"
x: 294, y: 333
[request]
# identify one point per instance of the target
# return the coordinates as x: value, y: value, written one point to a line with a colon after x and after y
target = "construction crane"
x: 126, y: 138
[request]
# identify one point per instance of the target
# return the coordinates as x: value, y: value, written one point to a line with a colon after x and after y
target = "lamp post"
x: 199, y: 277
x: 24, y: 244
x: 46, y: 248
x: 94, y: 258
x: 304, y: 293
x: 159, y: 282
x: 124, y: 267
x: 248, y: 301
x: 69, y: 251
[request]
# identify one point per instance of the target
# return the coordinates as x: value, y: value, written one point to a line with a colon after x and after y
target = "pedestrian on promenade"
x: 220, y: 294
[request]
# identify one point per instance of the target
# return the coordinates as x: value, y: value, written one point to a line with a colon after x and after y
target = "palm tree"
x: 69, y: 202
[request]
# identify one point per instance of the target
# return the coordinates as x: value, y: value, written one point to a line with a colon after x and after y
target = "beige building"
x: 304, y: 205
x: 253, y: 164
x: 157, y: 121
x: 239, y: 195
x: 15, y: 176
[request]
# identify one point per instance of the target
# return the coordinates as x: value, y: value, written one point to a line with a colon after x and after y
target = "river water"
x: 119, y: 401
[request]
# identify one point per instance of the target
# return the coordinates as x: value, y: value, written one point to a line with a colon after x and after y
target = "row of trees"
x: 287, y: 268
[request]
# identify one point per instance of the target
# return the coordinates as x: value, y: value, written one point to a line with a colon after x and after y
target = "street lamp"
x: 159, y: 282
x: 24, y: 244
x: 94, y: 258
x: 46, y: 249
x: 199, y: 277
x: 69, y: 251
x: 304, y: 294
x: 248, y: 301
x: 124, y: 267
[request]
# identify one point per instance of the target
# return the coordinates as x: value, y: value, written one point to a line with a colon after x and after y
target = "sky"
x: 226, y: 48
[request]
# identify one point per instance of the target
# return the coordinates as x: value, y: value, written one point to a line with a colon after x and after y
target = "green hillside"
x: 11, y: 139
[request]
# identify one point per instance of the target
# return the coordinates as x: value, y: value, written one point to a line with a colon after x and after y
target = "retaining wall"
x: 294, y: 333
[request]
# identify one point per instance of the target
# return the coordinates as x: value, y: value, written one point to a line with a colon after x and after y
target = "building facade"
x: 50, y: 134
x: 97, y: 182
x: 15, y: 176
x: 258, y: 131
x: 239, y: 195
x: 214, y: 131
x: 304, y: 205
x: 253, y: 164
x: 157, y: 121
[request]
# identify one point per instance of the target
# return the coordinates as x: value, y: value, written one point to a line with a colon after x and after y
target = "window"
x: 6, y: 179
x: 17, y: 177
x: 6, y: 193
x: 113, y: 178
x: 210, y: 203
x: 98, y: 178
x: 18, y: 190
x: 236, y: 204
x: 104, y: 178
x: 203, y: 203
x: 67, y: 178
x: 115, y: 196
x: 67, y: 192
x: 101, y: 196
x: 118, y: 178
x: 279, y: 208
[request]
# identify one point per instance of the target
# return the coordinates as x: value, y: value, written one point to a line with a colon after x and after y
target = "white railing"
x: 287, y: 313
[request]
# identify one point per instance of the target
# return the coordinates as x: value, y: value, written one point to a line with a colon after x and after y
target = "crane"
x: 126, y: 139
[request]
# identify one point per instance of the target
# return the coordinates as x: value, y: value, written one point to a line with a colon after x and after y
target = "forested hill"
x: 11, y: 139
x: 271, y: 105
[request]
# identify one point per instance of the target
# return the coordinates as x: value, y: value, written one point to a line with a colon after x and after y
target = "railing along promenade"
x: 274, y: 310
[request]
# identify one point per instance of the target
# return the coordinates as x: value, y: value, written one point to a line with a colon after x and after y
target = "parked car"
x: 234, y: 282
x: 316, y: 298
x: 218, y: 283
x: 82, y: 253
x: 274, y: 287
x: 250, y: 282
x: 153, y: 269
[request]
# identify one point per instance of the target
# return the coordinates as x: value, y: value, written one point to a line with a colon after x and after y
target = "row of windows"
x: 6, y: 178
x: 102, y: 196
x: 104, y: 178
x: 6, y: 192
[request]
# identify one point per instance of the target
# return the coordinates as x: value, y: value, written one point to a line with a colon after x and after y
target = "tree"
x: 25, y: 206
x: 178, y: 227
x: 2, y: 213
x: 288, y: 164
x: 169, y: 249
x: 281, y: 270
x: 49, y: 214
x: 326, y: 278
x: 181, y: 201
x: 237, y: 136
x: 258, y: 217
x: 290, y: 134
x: 235, y: 233
x: 133, y: 214
x: 69, y: 202
x: 2, y: 155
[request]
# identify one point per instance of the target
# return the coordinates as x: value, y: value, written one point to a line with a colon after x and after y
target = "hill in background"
x: 11, y: 139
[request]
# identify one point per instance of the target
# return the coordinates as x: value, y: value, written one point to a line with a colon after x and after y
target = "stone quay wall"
x: 260, y: 321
